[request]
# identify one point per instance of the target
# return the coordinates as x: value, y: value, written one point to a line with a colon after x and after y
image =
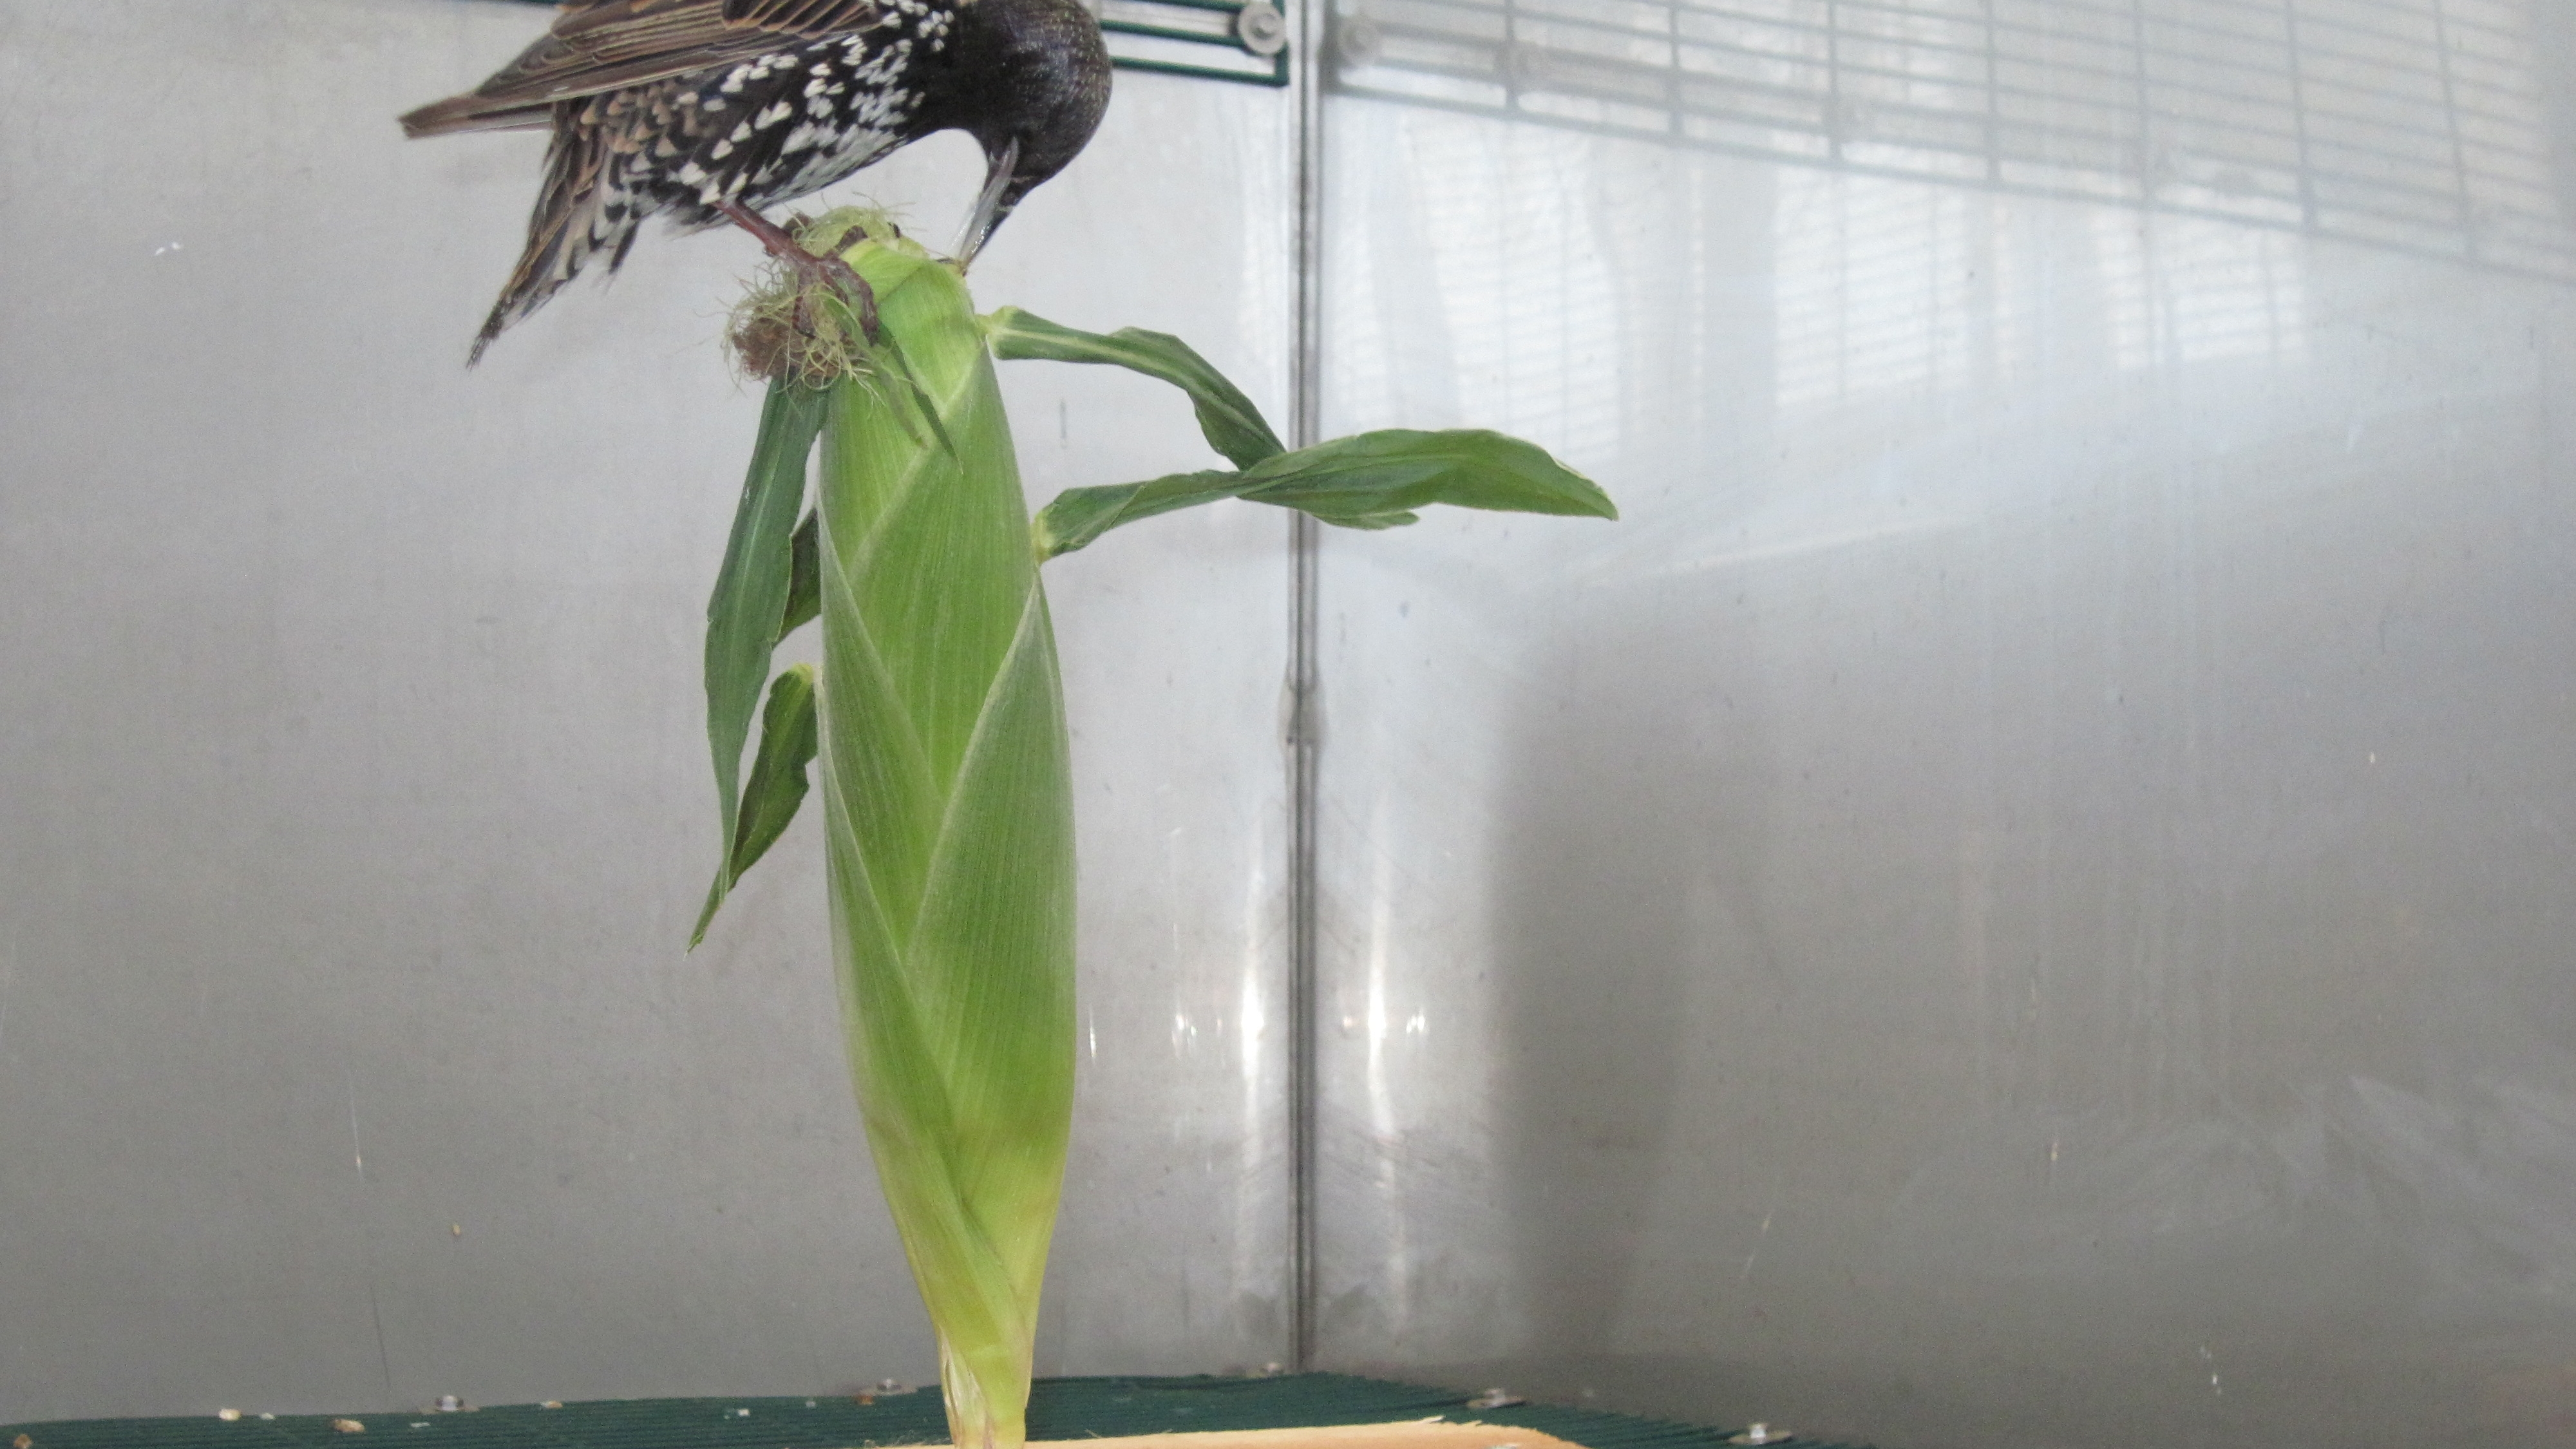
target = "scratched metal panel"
x: 2022, y: 894
x: 353, y: 798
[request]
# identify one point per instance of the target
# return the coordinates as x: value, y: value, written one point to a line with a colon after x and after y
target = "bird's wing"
x: 604, y: 45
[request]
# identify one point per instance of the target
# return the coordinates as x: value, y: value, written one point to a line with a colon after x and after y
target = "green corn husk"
x: 938, y: 716
x: 948, y: 812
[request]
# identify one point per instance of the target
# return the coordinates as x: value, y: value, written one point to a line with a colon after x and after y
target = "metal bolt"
x: 1260, y: 29
x: 1356, y: 38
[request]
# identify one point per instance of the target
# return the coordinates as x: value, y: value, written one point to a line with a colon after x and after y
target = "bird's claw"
x: 829, y: 271
x: 833, y: 274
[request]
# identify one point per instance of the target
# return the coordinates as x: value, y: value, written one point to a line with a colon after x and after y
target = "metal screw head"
x: 1356, y: 39
x: 1260, y: 29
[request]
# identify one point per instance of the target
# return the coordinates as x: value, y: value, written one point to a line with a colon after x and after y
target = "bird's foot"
x: 832, y: 272
x: 825, y: 272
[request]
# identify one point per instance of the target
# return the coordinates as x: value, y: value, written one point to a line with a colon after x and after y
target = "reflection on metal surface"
x: 2420, y: 125
x: 1884, y: 286
x: 295, y: 831
x: 2018, y: 895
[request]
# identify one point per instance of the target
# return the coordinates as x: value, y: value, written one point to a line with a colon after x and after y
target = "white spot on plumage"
x: 773, y: 113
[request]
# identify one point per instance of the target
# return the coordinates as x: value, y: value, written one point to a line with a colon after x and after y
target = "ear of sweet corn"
x: 948, y: 816
x: 938, y: 718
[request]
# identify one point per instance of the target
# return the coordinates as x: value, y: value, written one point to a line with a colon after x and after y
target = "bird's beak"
x: 987, y: 214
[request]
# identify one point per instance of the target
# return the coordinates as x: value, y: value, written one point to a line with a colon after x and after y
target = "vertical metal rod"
x: 1305, y: 425
x: 2299, y: 115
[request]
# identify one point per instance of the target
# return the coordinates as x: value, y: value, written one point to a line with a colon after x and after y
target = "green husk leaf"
x: 927, y: 408
x: 804, y: 578
x: 1372, y: 480
x: 1234, y: 427
x: 751, y: 598
x: 948, y: 817
x: 777, y: 785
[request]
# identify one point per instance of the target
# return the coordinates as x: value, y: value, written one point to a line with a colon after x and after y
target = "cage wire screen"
x: 2412, y: 124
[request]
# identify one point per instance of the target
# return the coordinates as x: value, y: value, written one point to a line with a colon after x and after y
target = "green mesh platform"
x: 1059, y: 1409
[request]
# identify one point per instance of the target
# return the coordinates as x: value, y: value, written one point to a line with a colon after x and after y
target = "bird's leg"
x: 816, y: 271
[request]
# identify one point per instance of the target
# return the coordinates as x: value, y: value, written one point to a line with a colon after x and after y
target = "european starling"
x: 713, y: 109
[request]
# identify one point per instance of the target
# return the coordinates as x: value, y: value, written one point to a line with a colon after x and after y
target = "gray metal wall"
x: 2026, y: 893
x: 353, y: 803
x: 2018, y: 897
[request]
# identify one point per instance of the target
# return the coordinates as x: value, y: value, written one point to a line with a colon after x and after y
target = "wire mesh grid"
x: 2421, y: 125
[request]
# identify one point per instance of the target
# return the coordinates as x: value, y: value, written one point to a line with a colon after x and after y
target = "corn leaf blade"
x: 804, y: 578
x: 1370, y: 480
x: 777, y: 785
x: 750, y: 599
x: 1078, y: 515
x: 1234, y: 427
x: 1364, y: 481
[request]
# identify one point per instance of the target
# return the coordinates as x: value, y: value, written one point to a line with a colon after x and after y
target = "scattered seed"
x: 228, y: 1415
x: 551, y: 1404
x: 346, y: 1426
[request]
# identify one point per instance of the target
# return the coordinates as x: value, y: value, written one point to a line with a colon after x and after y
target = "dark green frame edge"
x: 1063, y: 1408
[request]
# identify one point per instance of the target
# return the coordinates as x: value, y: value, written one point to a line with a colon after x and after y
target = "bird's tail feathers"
x: 584, y: 208
x: 471, y: 112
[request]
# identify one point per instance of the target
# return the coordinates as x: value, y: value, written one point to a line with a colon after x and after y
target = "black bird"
x: 713, y: 109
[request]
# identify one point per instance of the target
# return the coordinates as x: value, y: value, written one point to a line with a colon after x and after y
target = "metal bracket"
x: 1236, y: 40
